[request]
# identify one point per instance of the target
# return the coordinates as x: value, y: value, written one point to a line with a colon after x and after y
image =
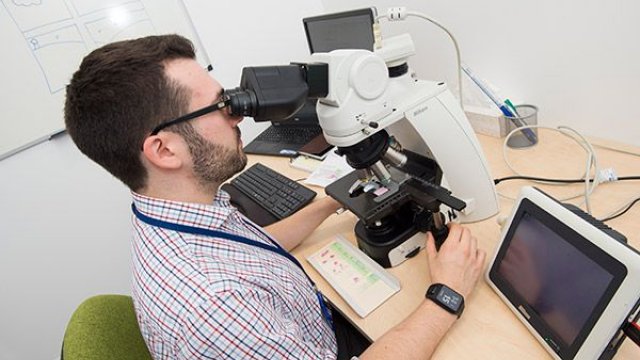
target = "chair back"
x: 104, y: 327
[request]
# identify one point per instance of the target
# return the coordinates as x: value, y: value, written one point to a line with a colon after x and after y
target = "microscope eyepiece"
x: 242, y: 102
x: 277, y: 92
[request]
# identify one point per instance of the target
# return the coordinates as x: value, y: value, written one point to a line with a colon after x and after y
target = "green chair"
x: 104, y: 327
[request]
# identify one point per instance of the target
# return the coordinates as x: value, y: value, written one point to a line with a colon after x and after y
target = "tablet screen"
x: 557, y: 279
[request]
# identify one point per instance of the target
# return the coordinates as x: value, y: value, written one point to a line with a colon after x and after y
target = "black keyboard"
x: 275, y: 192
x: 289, y: 135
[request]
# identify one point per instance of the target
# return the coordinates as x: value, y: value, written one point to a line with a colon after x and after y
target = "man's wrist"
x: 440, y: 320
x: 332, y: 205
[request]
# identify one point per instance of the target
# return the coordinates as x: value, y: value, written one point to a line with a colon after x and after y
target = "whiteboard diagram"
x: 73, y: 27
x: 44, y: 42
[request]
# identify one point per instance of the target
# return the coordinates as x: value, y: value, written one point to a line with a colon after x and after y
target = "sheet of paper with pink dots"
x: 359, y: 280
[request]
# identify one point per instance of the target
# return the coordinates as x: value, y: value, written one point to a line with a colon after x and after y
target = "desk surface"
x: 488, y: 329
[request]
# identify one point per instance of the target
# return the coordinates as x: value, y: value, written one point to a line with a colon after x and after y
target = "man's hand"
x: 457, y: 265
x: 459, y: 262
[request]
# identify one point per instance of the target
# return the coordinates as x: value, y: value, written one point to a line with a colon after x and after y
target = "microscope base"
x: 391, y: 249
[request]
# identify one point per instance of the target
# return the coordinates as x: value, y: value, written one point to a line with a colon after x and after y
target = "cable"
x: 562, y: 181
x: 612, y: 215
x: 632, y: 330
x: 611, y: 148
x: 400, y: 13
x: 619, y: 212
x: 591, y: 159
x: 592, y: 162
x: 539, y: 179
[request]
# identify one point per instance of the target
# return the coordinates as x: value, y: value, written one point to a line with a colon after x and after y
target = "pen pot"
x: 527, y: 115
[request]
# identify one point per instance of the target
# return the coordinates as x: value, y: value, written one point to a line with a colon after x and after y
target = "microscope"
x: 417, y: 162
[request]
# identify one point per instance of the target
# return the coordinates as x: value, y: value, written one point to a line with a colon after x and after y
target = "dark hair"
x: 121, y: 92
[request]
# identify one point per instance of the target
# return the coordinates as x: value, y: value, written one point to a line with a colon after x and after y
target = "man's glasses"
x: 224, y: 102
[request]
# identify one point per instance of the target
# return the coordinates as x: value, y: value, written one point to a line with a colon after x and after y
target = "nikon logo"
x: 420, y: 111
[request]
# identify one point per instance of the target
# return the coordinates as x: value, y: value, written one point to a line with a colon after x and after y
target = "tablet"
x: 567, y: 280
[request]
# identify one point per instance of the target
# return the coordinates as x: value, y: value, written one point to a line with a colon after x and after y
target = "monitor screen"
x: 556, y: 278
x: 560, y: 283
x: 345, y: 30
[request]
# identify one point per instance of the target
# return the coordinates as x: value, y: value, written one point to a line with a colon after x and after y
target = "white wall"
x: 64, y: 235
x: 577, y: 60
x: 65, y: 223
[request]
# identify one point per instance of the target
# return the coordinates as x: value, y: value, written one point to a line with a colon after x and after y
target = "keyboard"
x: 289, y: 135
x: 275, y: 192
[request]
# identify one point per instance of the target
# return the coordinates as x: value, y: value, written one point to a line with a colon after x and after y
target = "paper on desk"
x: 360, y: 281
x: 305, y: 163
x: 332, y: 168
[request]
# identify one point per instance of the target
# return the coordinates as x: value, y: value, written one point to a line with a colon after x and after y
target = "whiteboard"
x: 43, y: 44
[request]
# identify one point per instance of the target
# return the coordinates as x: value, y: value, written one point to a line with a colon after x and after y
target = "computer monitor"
x: 343, y: 30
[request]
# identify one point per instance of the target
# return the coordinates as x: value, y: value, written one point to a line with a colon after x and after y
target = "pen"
x: 528, y: 133
x: 512, y: 107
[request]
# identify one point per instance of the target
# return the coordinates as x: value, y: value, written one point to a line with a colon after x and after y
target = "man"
x: 207, y: 282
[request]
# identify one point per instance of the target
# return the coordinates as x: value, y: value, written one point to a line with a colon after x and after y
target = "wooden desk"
x: 488, y: 329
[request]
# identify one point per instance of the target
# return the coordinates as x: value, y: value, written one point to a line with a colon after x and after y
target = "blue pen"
x: 528, y: 133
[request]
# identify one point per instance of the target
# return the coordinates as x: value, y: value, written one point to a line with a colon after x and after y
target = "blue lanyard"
x: 276, y: 248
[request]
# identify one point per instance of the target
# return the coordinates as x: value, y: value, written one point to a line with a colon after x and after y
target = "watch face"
x: 449, y: 298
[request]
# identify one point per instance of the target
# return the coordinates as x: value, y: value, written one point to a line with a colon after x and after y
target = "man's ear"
x: 164, y: 150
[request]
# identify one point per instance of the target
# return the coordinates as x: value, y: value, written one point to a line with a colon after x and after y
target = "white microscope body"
x: 423, y: 116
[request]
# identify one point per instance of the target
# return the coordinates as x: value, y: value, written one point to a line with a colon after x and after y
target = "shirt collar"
x: 207, y: 216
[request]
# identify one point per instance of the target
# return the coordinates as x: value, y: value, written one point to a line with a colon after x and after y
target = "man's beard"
x: 213, y: 163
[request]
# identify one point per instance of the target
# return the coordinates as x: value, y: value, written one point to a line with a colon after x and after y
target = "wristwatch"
x: 446, y: 298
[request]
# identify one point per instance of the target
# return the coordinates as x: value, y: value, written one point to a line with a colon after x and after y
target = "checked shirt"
x: 200, y: 297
